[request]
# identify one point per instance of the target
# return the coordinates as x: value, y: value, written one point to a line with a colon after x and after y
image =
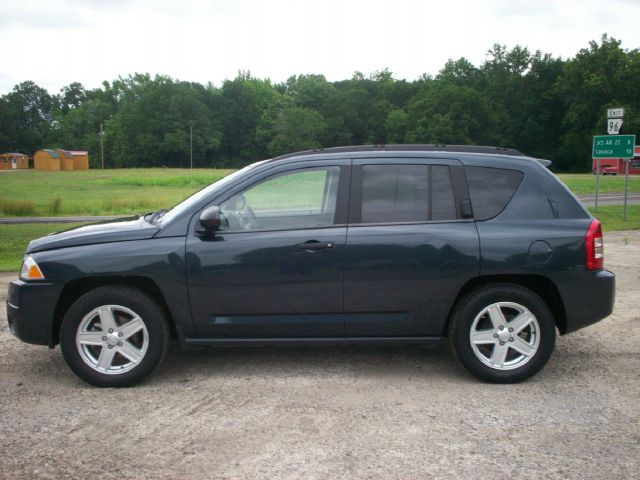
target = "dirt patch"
x: 335, y: 413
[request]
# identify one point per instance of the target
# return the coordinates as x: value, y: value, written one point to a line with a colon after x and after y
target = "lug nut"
x: 104, y: 339
x: 511, y: 339
x: 510, y: 329
x: 110, y: 346
x: 501, y: 344
x: 495, y: 335
x: 120, y: 334
x: 120, y: 343
x: 501, y: 327
x: 111, y: 330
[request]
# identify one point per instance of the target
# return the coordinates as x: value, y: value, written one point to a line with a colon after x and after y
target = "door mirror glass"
x: 210, y: 219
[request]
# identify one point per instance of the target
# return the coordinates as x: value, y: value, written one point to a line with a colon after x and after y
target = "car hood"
x: 131, y: 228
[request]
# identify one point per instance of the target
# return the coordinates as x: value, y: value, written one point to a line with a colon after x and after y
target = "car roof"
x: 410, y: 150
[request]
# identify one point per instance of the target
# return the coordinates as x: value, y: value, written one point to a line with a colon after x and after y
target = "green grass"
x: 611, y: 217
x: 585, y: 183
x: 15, y: 238
x: 98, y: 192
x: 124, y: 191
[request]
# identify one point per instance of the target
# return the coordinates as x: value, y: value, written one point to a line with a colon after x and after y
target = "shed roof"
x: 66, y: 153
x: 78, y: 152
x: 52, y: 153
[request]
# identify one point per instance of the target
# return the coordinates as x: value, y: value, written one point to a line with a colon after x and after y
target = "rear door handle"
x: 313, y: 245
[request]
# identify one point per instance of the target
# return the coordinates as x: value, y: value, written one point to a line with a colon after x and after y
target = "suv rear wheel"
x: 502, y: 333
x: 114, y: 336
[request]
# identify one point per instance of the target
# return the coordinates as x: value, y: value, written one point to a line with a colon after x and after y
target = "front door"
x: 275, y: 268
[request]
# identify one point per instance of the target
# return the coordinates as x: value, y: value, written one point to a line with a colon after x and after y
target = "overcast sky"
x: 57, y: 42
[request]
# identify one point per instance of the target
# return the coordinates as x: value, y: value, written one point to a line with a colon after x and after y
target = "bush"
x: 55, y: 205
x: 17, y: 208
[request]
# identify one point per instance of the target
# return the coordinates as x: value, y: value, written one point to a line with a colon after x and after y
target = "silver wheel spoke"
x: 90, y: 338
x: 499, y: 355
x: 106, y: 357
x: 107, y: 319
x: 483, y: 336
x: 112, y: 339
x: 520, y: 345
x: 520, y: 322
x: 499, y: 346
x: 132, y: 327
x: 130, y: 352
x: 496, y: 316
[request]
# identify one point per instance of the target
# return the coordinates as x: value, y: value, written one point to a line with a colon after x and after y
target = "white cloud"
x: 56, y: 43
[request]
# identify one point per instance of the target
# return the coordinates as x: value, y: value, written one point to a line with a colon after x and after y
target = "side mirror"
x: 209, y: 220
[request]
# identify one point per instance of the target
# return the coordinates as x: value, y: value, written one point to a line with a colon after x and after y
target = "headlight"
x: 30, y: 269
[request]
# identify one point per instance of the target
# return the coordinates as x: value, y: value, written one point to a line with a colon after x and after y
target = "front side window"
x: 303, y: 198
x: 406, y: 193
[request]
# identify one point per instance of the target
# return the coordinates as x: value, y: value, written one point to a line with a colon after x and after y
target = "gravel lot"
x: 335, y: 413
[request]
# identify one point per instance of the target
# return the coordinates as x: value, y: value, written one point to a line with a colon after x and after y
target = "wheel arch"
x: 73, y: 290
x: 540, y: 285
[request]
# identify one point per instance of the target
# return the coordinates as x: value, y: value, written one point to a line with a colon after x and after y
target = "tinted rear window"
x: 405, y: 193
x: 491, y: 189
x: 394, y: 193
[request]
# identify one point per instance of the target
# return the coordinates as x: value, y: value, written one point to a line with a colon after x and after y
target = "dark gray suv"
x: 381, y: 244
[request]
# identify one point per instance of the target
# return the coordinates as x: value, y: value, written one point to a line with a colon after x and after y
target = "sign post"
x: 626, y: 188
x: 615, y: 146
x: 597, y: 181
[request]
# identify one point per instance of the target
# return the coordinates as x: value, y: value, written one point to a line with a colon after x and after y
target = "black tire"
x: 473, y: 304
x: 154, y: 333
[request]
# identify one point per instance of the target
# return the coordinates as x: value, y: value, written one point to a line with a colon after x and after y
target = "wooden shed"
x: 66, y: 159
x: 46, y: 159
x: 14, y: 161
x: 80, y: 159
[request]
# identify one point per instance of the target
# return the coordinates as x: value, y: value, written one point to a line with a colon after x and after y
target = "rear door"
x: 409, y: 249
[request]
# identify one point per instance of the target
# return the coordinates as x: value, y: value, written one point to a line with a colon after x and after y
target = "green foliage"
x: 15, y: 238
x: 17, y: 208
x: 585, y: 183
x: 544, y: 106
x: 611, y: 217
x: 98, y: 192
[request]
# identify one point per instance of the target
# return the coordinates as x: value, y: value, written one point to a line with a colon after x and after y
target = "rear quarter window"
x: 491, y: 189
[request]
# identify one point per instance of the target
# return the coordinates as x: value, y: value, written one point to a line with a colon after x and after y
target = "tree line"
x: 542, y: 105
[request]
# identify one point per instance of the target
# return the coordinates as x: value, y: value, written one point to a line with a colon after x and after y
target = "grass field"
x: 15, y: 238
x: 122, y: 191
x: 105, y: 192
x: 98, y: 192
x: 584, y: 183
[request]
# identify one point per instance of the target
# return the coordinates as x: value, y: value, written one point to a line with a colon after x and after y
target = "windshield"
x: 198, y: 196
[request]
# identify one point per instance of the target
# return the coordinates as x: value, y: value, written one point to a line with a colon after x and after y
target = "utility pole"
x: 191, y: 154
x: 102, y: 146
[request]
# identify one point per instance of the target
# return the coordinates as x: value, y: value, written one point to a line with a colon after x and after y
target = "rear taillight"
x: 595, y: 247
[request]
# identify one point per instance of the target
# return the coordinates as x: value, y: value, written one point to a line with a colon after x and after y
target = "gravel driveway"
x: 335, y: 413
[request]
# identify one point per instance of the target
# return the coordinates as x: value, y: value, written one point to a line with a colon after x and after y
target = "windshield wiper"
x: 155, y: 216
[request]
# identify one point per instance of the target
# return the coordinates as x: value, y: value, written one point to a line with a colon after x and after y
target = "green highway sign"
x: 613, y: 146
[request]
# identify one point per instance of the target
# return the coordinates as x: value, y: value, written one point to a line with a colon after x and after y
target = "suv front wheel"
x: 502, y: 333
x: 114, y: 336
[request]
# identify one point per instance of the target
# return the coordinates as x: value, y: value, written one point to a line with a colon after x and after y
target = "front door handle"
x: 314, y: 246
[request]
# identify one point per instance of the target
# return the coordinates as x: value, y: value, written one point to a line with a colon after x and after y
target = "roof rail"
x: 408, y: 148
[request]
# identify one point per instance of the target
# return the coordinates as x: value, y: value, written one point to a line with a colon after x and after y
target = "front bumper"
x: 588, y: 297
x: 31, y: 311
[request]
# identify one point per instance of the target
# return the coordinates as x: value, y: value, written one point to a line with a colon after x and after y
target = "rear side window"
x: 406, y: 193
x: 491, y: 189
